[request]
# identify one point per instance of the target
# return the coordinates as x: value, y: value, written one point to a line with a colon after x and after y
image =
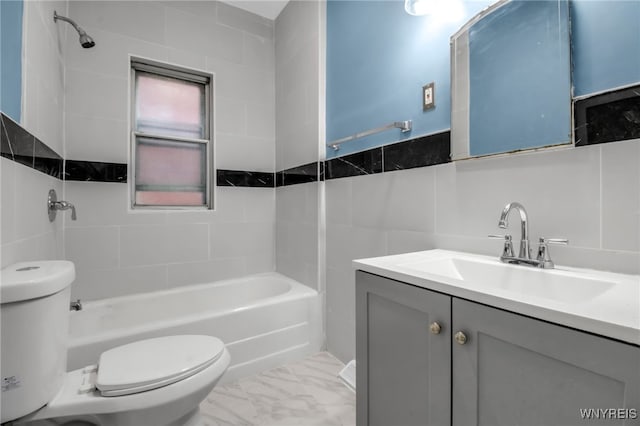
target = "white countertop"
x: 614, y: 312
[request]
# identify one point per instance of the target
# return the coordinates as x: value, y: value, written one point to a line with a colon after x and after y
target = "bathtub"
x: 265, y: 320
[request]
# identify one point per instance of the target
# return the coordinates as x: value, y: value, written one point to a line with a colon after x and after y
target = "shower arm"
x: 69, y: 20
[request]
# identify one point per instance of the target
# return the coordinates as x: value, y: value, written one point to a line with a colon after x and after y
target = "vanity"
x: 451, y: 338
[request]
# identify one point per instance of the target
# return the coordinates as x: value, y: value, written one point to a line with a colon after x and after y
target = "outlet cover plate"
x: 428, y: 96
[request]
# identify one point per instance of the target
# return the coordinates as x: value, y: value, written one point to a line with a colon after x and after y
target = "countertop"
x: 614, y: 313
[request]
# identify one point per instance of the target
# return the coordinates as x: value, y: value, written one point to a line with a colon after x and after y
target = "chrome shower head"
x: 85, y: 40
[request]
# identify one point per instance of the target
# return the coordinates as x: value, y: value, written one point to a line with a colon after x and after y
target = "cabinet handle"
x: 460, y: 337
x: 435, y: 328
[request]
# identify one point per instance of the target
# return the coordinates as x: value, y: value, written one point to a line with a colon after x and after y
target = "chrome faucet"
x: 65, y: 205
x: 53, y: 205
x: 525, y: 252
x: 543, y: 259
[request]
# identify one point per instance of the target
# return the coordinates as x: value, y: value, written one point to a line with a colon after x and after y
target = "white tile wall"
x: 98, y: 95
x: 620, y: 203
x: 204, y: 272
x: 43, y: 72
x: 26, y: 233
x: 110, y: 54
x: 195, y: 33
x: 7, y: 207
x: 189, y: 247
x: 93, y: 247
x: 299, y: 231
x: 238, y: 18
x: 103, y: 283
x: 590, y: 195
x: 176, y: 248
x: 471, y: 194
x: 137, y: 19
x: 89, y: 138
x: 297, y: 47
x: 190, y: 34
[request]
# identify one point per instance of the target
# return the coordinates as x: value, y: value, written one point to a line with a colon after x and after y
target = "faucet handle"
x: 544, y: 240
x: 499, y: 237
x: 507, y: 251
x: 543, y: 257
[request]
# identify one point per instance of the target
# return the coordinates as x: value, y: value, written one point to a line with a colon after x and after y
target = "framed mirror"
x: 511, y: 79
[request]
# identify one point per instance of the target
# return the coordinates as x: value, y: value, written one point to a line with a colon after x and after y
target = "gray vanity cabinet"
x: 403, y: 368
x: 504, y: 369
x: 515, y: 370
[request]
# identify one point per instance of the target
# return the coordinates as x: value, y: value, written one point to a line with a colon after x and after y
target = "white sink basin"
x: 553, y: 284
x: 599, y: 302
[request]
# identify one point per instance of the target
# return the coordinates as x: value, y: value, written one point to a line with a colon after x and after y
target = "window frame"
x: 172, y: 71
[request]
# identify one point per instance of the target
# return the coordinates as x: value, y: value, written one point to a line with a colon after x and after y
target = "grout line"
x: 435, y: 201
x: 600, y: 204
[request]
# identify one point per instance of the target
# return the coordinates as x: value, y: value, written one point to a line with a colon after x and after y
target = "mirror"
x: 511, y: 79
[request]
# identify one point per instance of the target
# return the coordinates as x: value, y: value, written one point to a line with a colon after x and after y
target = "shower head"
x: 85, y: 40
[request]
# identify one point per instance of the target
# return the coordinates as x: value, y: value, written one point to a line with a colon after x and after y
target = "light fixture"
x: 418, y: 7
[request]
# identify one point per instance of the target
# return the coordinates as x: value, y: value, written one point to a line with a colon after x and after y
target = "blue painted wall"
x: 535, y: 61
x: 606, y: 44
x: 378, y: 59
x: 11, y: 57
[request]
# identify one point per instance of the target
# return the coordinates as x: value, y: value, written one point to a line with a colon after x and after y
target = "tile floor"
x: 305, y: 393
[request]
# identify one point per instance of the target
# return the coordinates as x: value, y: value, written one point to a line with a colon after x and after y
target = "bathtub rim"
x: 181, y: 288
x: 295, y: 291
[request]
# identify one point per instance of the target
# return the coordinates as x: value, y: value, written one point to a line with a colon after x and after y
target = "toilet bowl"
x: 180, y: 372
x: 153, y: 382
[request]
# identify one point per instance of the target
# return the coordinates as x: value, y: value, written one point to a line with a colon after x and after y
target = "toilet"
x: 152, y: 382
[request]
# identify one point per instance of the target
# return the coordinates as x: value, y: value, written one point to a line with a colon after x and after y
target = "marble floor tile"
x: 318, y: 374
x: 304, y: 393
x: 228, y: 405
x: 344, y: 413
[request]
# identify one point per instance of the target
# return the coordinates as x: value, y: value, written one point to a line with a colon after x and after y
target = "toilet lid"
x: 153, y: 363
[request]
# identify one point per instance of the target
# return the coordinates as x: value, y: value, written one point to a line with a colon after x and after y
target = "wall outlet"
x: 428, y: 96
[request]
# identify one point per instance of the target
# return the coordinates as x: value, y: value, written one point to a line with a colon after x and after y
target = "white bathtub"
x: 265, y: 320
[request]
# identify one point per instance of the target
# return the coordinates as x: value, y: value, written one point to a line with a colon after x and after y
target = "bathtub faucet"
x: 75, y: 306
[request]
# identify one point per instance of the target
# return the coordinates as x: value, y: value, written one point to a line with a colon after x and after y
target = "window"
x: 171, y: 143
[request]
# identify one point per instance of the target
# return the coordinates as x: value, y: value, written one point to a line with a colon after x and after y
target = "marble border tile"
x: 95, y: 171
x: 609, y: 117
x: 357, y: 164
x: 17, y: 144
x: 419, y: 152
x: 422, y: 151
x: 46, y: 160
x: 302, y: 174
x: 245, y: 178
x: 5, y: 146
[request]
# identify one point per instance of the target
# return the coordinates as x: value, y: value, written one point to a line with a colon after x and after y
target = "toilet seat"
x: 156, y: 406
x: 152, y: 363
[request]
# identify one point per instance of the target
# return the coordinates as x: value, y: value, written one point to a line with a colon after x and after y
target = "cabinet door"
x: 403, y: 369
x: 515, y: 370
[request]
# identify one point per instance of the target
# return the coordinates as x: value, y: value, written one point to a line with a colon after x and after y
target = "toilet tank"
x: 34, y: 321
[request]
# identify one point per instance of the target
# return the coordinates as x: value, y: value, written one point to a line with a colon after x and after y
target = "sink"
x: 552, y: 284
x: 599, y: 302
